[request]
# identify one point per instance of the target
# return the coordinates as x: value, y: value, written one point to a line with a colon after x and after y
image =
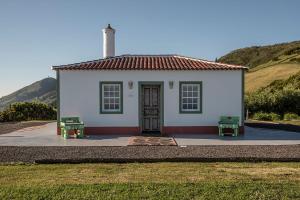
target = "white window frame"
x: 113, y: 98
x: 188, y: 95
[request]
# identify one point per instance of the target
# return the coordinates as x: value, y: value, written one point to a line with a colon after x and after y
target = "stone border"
x: 93, y: 154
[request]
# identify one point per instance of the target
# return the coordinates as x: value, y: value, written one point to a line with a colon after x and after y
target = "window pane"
x: 190, y: 94
x: 190, y: 100
x: 117, y: 100
x: 195, y: 88
x: 195, y: 106
x: 106, y: 100
x: 111, y: 107
x: 184, y: 106
x: 184, y: 88
x: 116, y: 94
x: 195, y: 100
x: 190, y: 88
x: 117, y: 106
x: 106, y: 94
x: 105, y: 88
x: 184, y: 94
x: 190, y: 106
x: 195, y: 94
x: 184, y: 100
x: 106, y: 106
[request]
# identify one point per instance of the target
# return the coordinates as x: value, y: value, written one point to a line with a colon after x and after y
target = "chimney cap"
x: 109, y: 27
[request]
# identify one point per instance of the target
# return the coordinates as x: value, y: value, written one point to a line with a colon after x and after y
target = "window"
x: 111, y: 100
x: 190, y: 97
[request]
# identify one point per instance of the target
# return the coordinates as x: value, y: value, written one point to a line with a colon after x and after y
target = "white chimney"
x: 108, y: 42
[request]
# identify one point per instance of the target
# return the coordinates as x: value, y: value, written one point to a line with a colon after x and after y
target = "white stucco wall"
x: 79, y: 96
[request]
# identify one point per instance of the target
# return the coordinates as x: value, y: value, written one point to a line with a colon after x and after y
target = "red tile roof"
x: 149, y: 62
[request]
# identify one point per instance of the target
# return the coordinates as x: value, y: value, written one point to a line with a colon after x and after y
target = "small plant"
x: 262, y: 116
x: 290, y: 116
x: 275, y: 117
x: 266, y: 116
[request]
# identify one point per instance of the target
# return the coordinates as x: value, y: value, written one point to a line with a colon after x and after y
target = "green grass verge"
x: 151, y: 181
x: 292, y: 122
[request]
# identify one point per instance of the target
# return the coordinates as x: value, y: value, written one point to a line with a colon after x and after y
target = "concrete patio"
x: 46, y: 136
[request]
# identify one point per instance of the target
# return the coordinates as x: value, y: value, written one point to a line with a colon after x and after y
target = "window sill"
x: 110, y: 112
x: 190, y: 112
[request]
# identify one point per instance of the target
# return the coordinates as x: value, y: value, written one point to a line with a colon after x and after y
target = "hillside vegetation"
x: 258, y: 55
x: 263, y: 77
x: 266, y: 63
x: 279, y: 97
x: 42, y: 91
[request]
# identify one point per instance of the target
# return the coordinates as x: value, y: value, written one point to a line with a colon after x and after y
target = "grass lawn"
x: 151, y: 181
x: 293, y: 122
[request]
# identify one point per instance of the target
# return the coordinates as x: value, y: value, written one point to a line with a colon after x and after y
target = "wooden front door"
x: 151, y: 108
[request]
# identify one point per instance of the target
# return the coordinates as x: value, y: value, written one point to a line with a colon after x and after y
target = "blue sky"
x: 35, y: 35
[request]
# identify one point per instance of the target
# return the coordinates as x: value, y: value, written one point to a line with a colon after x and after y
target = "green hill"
x: 266, y: 63
x: 258, y: 55
x: 43, y: 90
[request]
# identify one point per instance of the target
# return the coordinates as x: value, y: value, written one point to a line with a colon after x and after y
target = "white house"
x: 131, y: 94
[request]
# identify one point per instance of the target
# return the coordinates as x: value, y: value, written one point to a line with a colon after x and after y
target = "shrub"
x: 4, y: 116
x: 292, y: 51
x: 275, y: 117
x: 266, y: 116
x: 23, y: 111
x: 278, y: 99
x: 262, y: 116
x: 295, y: 60
x: 290, y: 116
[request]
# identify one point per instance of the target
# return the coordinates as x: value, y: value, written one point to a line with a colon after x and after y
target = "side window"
x: 111, y: 97
x: 190, y: 94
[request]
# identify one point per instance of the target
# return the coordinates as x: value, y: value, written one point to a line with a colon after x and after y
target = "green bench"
x: 71, y: 123
x: 231, y: 122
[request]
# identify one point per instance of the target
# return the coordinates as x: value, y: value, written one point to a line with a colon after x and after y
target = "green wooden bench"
x: 231, y: 122
x: 71, y: 123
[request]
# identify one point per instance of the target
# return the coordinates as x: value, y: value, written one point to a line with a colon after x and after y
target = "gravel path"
x: 80, y: 154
